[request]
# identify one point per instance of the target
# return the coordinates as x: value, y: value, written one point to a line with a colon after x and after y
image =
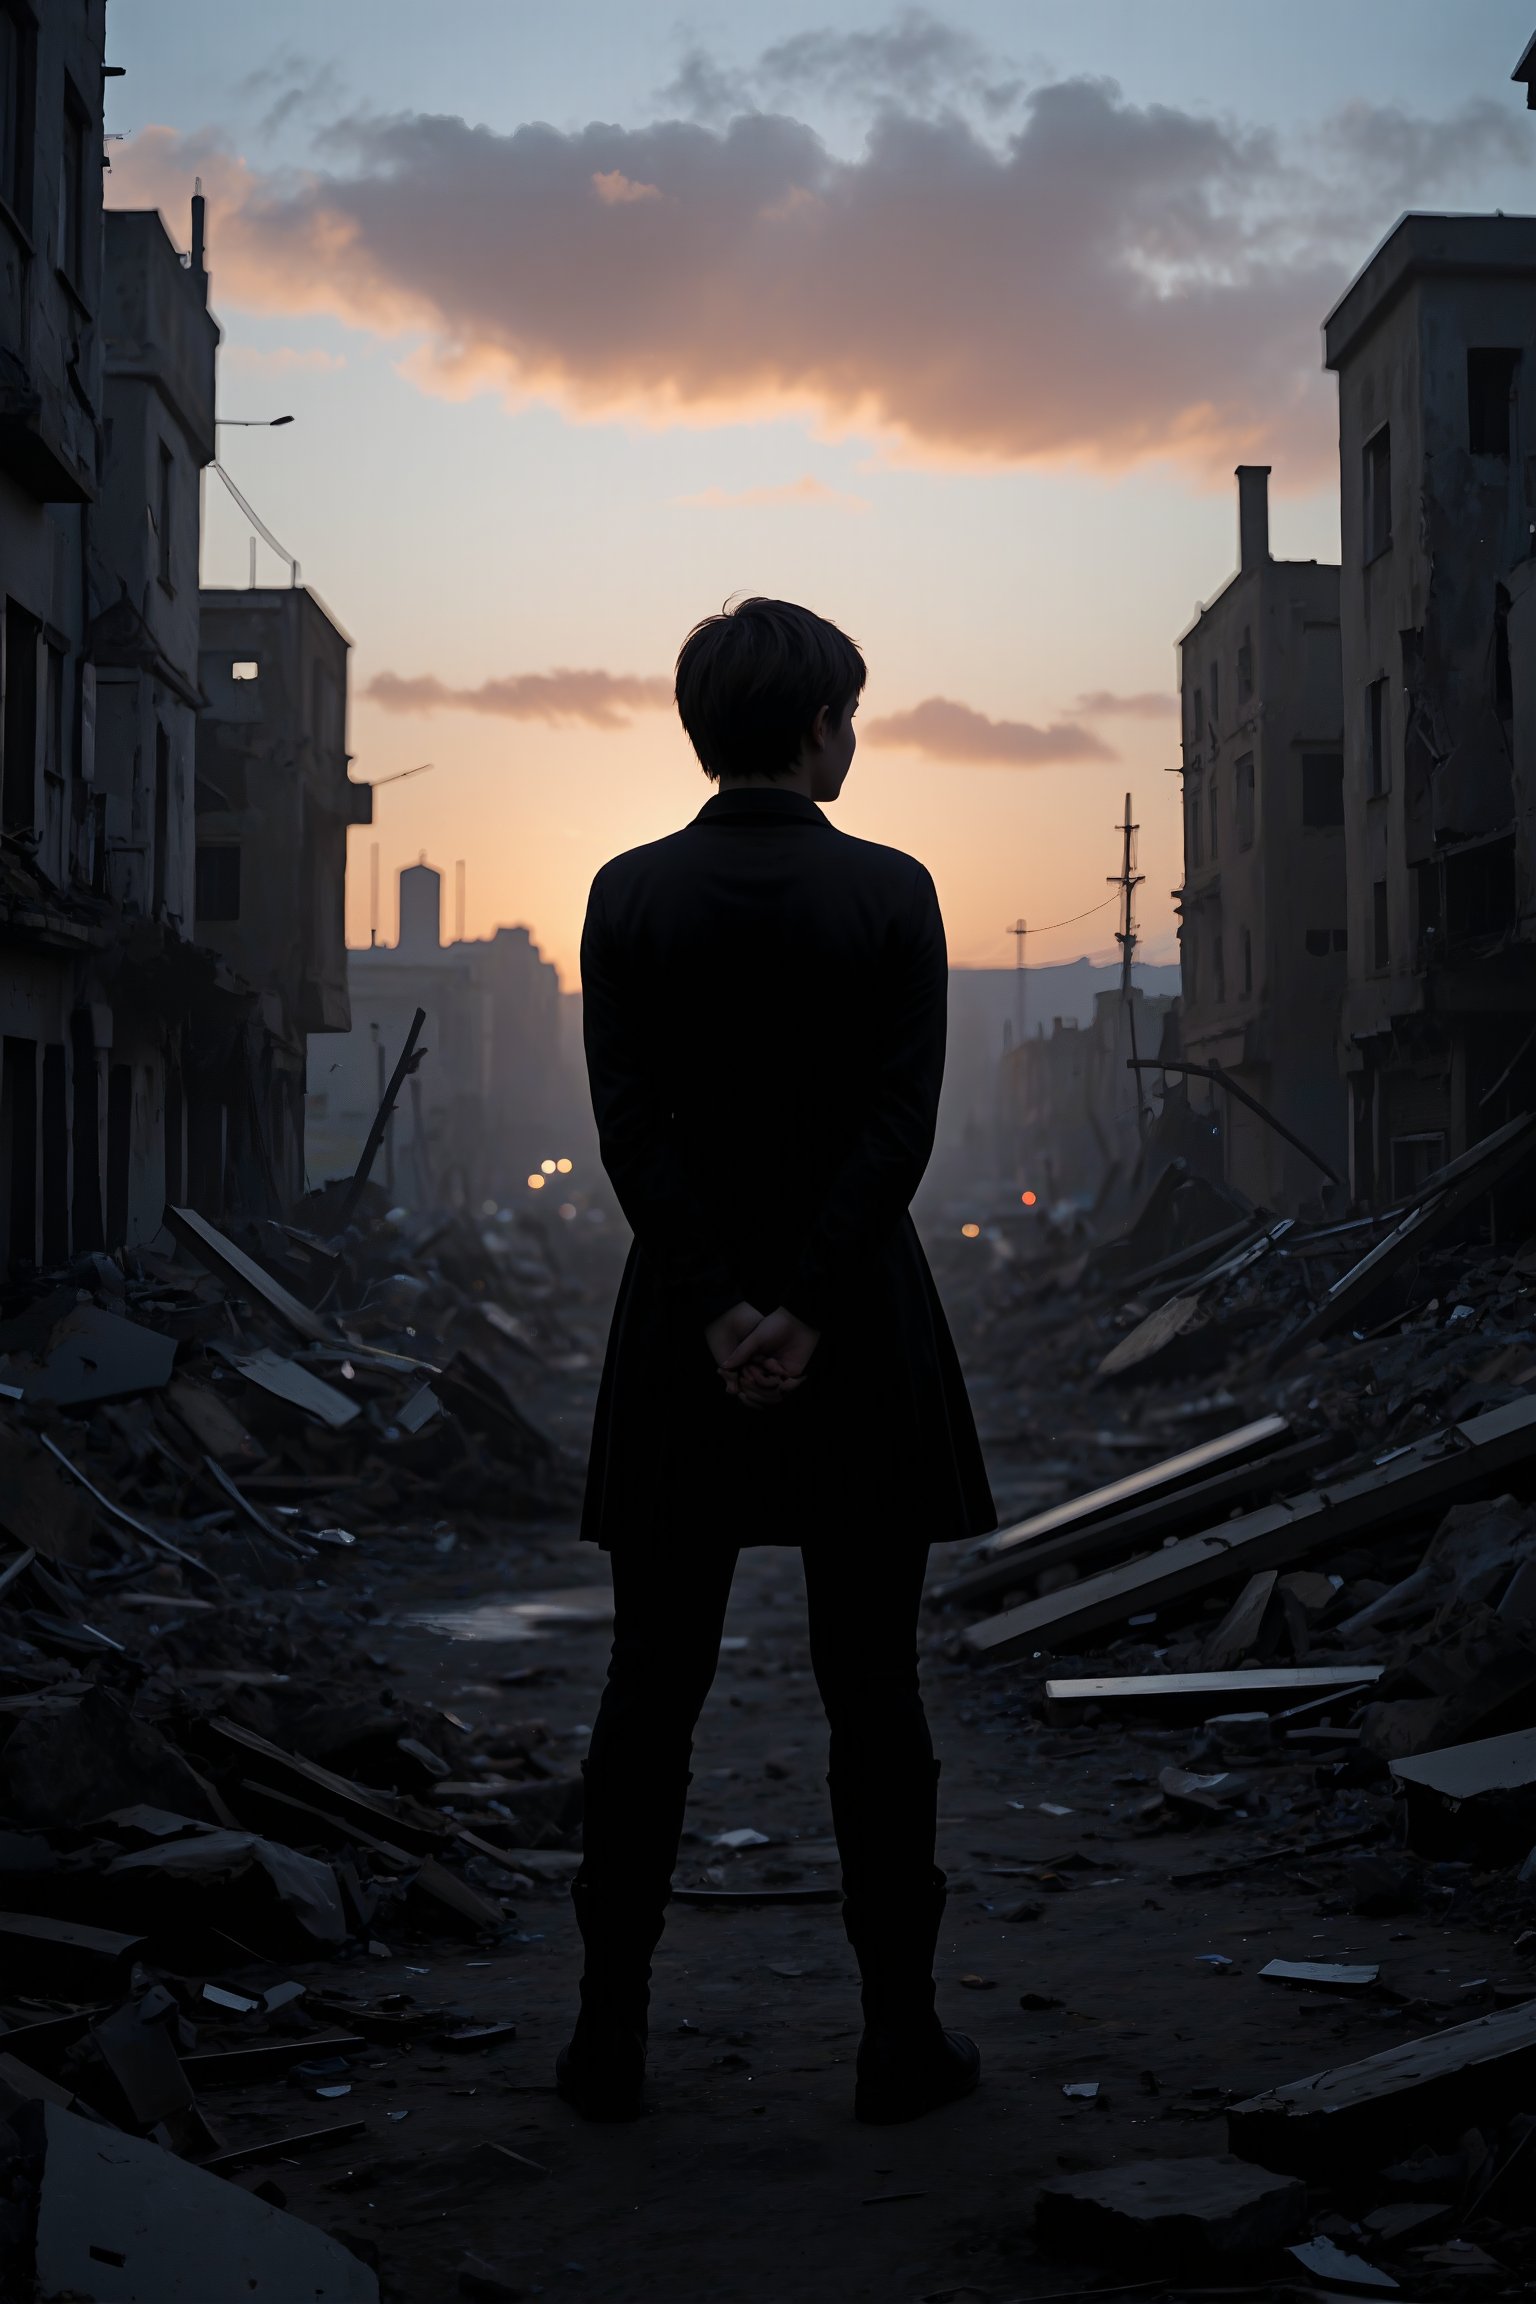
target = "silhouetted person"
x: 765, y: 1009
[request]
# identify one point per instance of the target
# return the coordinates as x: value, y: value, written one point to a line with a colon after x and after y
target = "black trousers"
x: 669, y: 1608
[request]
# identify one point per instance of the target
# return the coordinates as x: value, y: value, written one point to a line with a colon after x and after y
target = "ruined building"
x: 493, y: 1097
x: 137, y: 1063
x: 273, y: 805
x: 1068, y: 1104
x: 1434, y: 346
x: 1264, y: 924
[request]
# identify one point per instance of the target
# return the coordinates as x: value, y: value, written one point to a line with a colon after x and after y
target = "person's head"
x: 767, y: 693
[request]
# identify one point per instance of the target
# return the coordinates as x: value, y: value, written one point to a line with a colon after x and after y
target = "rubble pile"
x: 220, y: 1457
x: 1302, y: 1625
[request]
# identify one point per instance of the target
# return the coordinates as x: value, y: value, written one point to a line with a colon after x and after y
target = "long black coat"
x: 765, y: 1011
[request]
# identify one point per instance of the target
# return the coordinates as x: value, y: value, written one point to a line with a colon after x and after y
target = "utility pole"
x: 1128, y: 880
x: 1018, y: 932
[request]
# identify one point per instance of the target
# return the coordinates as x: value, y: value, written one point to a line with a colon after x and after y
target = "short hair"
x: 751, y: 680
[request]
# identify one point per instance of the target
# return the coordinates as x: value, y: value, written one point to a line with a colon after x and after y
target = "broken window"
x: 1376, y: 737
x: 1242, y: 785
x: 53, y: 712
x: 163, y: 515
x: 1491, y: 375
x: 1215, y: 843
x: 70, y: 254
x: 1198, y: 721
x: 1215, y: 695
x: 1414, y: 1160
x: 18, y: 721
x: 1195, y: 856
x: 1377, y: 496
x: 1191, y: 965
x: 162, y: 819
x: 1318, y: 943
x: 1245, y: 666
x: 1503, y: 670
x: 1247, y: 965
x: 1480, y: 890
x: 16, y: 104
x: 1380, y: 949
x: 1322, y: 790
x: 218, y: 880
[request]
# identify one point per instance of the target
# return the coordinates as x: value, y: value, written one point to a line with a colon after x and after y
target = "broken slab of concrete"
x: 1472, y: 1799
x: 1237, y: 1635
x: 68, y: 1350
x: 1458, y: 1459
x: 123, y: 2222
x: 1361, y: 2114
x: 1189, y: 2213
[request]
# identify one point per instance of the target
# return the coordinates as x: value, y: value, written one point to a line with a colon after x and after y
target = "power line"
x: 257, y: 522
x: 1072, y: 923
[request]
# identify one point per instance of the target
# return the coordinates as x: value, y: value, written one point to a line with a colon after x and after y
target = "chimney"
x: 421, y: 911
x: 1252, y: 516
x: 199, y: 256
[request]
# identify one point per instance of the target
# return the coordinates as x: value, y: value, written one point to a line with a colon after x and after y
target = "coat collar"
x: 760, y: 804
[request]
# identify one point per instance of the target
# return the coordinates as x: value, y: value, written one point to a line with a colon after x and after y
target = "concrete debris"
x: 1195, y: 2214
x: 205, y: 1765
x: 1362, y: 2113
x: 122, y: 2221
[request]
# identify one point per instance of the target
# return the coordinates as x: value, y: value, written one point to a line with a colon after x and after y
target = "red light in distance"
x: 1028, y: 1199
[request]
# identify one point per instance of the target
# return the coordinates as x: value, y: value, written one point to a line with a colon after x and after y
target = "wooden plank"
x: 1472, y: 1799
x: 1451, y: 1190
x: 1199, y: 1694
x: 1365, y: 2113
x: 1230, y: 1448
x: 35, y: 1950
x: 283, y: 2147
x: 267, y: 2060
x: 1452, y: 1462
x: 1104, y: 1541
x: 232, y: 1264
x: 339, y: 1794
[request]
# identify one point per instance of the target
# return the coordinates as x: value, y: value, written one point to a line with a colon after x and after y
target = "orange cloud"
x: 944, y: 730
x: 1107, y: 282
x: 601, y: 699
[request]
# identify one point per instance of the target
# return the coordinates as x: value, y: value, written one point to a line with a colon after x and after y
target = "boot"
x: 602, y: 2070
x: 620, y: 1896
x: 907, y: 2063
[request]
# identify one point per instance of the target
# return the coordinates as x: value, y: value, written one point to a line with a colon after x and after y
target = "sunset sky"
x: 952, y: 325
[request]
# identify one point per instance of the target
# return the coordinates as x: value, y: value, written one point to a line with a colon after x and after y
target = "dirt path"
x: 749, y: 2179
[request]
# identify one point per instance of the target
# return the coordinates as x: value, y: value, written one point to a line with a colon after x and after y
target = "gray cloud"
x: 944, y: 730
x: 600, y: 699
x: 916, y: 62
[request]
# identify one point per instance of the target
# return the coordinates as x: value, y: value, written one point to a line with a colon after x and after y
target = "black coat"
x: 765, y: 1008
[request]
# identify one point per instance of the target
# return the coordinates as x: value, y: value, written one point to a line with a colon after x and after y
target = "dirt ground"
x: 749, y: 2178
